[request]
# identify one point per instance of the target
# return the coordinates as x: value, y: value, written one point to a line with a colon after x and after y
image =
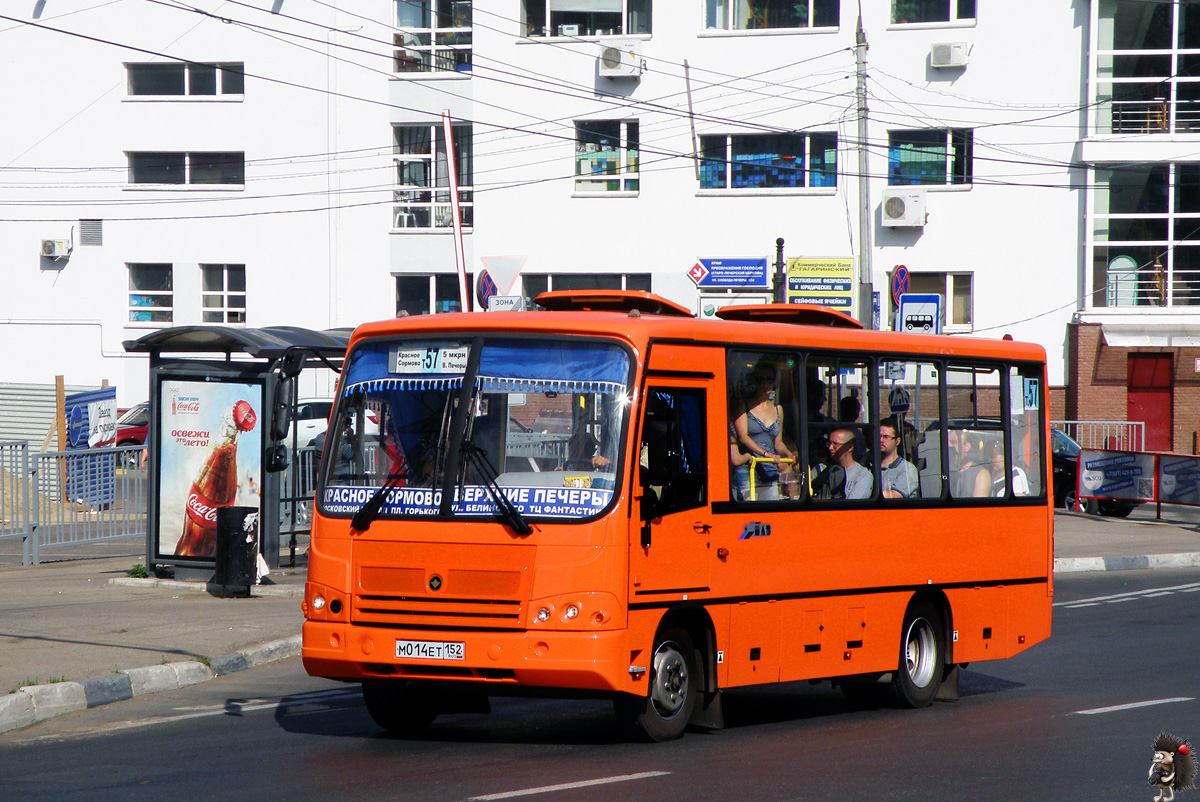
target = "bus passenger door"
x: 670, y: 559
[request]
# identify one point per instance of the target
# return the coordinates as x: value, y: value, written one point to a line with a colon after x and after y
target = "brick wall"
x: 1096, y: 388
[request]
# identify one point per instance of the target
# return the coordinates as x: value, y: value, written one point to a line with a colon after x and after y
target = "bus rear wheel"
x: 674, y: 679
x: 398, y: 706
x: 919, y: 674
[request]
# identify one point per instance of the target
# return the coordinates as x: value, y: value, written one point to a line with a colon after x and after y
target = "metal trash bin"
x: 237, y: 548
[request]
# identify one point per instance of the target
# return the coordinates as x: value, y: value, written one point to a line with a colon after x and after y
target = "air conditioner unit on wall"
x: 621, y: 59
x: 903, y: 207
x: 56, y: 248
x: 948, y: 54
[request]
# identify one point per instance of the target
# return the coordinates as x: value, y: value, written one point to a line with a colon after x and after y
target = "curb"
x: 1069, y: 565
x: 284, y: 591
x: 35, y: 703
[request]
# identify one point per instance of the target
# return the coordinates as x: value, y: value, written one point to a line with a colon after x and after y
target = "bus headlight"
x: 578, y: 611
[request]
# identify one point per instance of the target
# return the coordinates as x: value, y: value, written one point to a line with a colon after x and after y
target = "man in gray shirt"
x: 859, y: 481
x: 897, y: 475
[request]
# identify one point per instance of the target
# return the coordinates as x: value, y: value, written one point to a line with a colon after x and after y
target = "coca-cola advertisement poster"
x: 210, y: 446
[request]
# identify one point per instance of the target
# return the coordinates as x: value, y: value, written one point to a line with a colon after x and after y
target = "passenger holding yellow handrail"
x: 759, y: 429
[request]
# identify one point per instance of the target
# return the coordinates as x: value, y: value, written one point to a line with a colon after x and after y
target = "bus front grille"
x: 425, y: 611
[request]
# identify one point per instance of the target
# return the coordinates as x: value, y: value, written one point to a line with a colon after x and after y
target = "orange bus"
x: 559, y: 502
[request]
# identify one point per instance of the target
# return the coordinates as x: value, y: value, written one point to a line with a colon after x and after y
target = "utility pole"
x: 866, y: 302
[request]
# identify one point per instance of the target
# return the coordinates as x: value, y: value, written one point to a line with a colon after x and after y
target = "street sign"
x: 505, y: 303
x: 898, y: 400
x: 709, y: 273
x: 899, y: 283
x: 823, y: 281
x: 919, y: 313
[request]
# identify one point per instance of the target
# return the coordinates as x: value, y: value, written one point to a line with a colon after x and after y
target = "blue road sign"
x: 730, y: 273
x: 919, y: 313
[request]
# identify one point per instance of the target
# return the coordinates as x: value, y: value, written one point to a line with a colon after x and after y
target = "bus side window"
x: 673, y: 470
x: 909, y: 400
x: 1025, y: 391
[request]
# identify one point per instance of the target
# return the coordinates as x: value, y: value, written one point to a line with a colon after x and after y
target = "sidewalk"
x: 79, y: 632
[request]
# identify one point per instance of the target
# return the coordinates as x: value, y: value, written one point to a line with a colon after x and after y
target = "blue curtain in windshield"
x: 561, y: 367
x: 515, y: 366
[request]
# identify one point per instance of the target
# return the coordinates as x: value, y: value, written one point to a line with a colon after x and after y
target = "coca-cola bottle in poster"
x: 215, y: 485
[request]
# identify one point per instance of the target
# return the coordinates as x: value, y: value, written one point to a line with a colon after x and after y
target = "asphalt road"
x: 1072, y: 718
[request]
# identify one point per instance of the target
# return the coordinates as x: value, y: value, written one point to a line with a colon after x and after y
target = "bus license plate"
x: 431, y: 649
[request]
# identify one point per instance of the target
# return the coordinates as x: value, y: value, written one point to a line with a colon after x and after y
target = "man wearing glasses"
x: 858, y: 480
x: 897, y: 475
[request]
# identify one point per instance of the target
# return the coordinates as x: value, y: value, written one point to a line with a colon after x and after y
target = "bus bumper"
x: 593, y: 661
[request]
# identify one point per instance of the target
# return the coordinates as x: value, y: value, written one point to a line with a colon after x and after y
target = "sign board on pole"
x: 827, y: 282
x: 712, y: 273
x: 920, y: 313
x: 899, y: 283
x: 505, y: 303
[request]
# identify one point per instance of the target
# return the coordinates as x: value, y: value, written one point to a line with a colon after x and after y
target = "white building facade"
x: 283, y: 162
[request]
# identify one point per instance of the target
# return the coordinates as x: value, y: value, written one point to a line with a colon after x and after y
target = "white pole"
x: 460, y: 257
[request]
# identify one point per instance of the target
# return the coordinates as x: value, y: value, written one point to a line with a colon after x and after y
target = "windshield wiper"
x: 368, y: 512
x: 507, y: 512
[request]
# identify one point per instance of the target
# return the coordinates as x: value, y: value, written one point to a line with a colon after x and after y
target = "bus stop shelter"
x: 221, y: 403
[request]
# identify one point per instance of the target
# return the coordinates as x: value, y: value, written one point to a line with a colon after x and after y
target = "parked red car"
x: 133, y: 426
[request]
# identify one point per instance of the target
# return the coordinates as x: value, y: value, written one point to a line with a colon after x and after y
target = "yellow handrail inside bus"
x: 753, y: 470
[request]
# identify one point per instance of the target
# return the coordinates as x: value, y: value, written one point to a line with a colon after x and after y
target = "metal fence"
x: 56, y: 499
x: 69, y: 498
x: 1116, y: 435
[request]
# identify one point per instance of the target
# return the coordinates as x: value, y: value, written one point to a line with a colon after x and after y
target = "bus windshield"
x: 450, y: 424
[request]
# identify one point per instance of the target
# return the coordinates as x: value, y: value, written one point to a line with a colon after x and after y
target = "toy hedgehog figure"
x: 1173, y: 767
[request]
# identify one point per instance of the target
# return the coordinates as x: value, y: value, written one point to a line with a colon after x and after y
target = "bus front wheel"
x: 397, y: 706
x: 919, y: 673
x: 674, y: 682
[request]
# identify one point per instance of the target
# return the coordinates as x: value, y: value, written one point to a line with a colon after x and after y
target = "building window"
x: 433, y: 36
x: 429, y: 294
x: 768, y: 161
x: 150, y: 294
x: 936, y: 156
x: 1146, y: 78
x: 422, y: 195
x: 957, y: 297
x: 910, y: 11
x: 606, y: 155
x: 186, y: 79
x: 748, y: 15
x: 534, y: 284
x: 1146, y: 235
x: 157, y: 167
x: 585, y: 17
x: 224, y: 297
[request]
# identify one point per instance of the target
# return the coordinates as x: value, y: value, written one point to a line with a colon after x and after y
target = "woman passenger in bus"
x: 759, y: 430
x: 739, y: 468
x: 1020, y: 482
x: 970, y: 475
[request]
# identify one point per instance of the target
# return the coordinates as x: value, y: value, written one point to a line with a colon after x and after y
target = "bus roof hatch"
x: 796, y: 314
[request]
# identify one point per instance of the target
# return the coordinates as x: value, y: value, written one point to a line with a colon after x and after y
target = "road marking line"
x: 1133, y: 705
x: 231, y: 709
x: 1161, y: 593
x: 1188, y: 588
x: 546, y: 789
x: 1085, y: 604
